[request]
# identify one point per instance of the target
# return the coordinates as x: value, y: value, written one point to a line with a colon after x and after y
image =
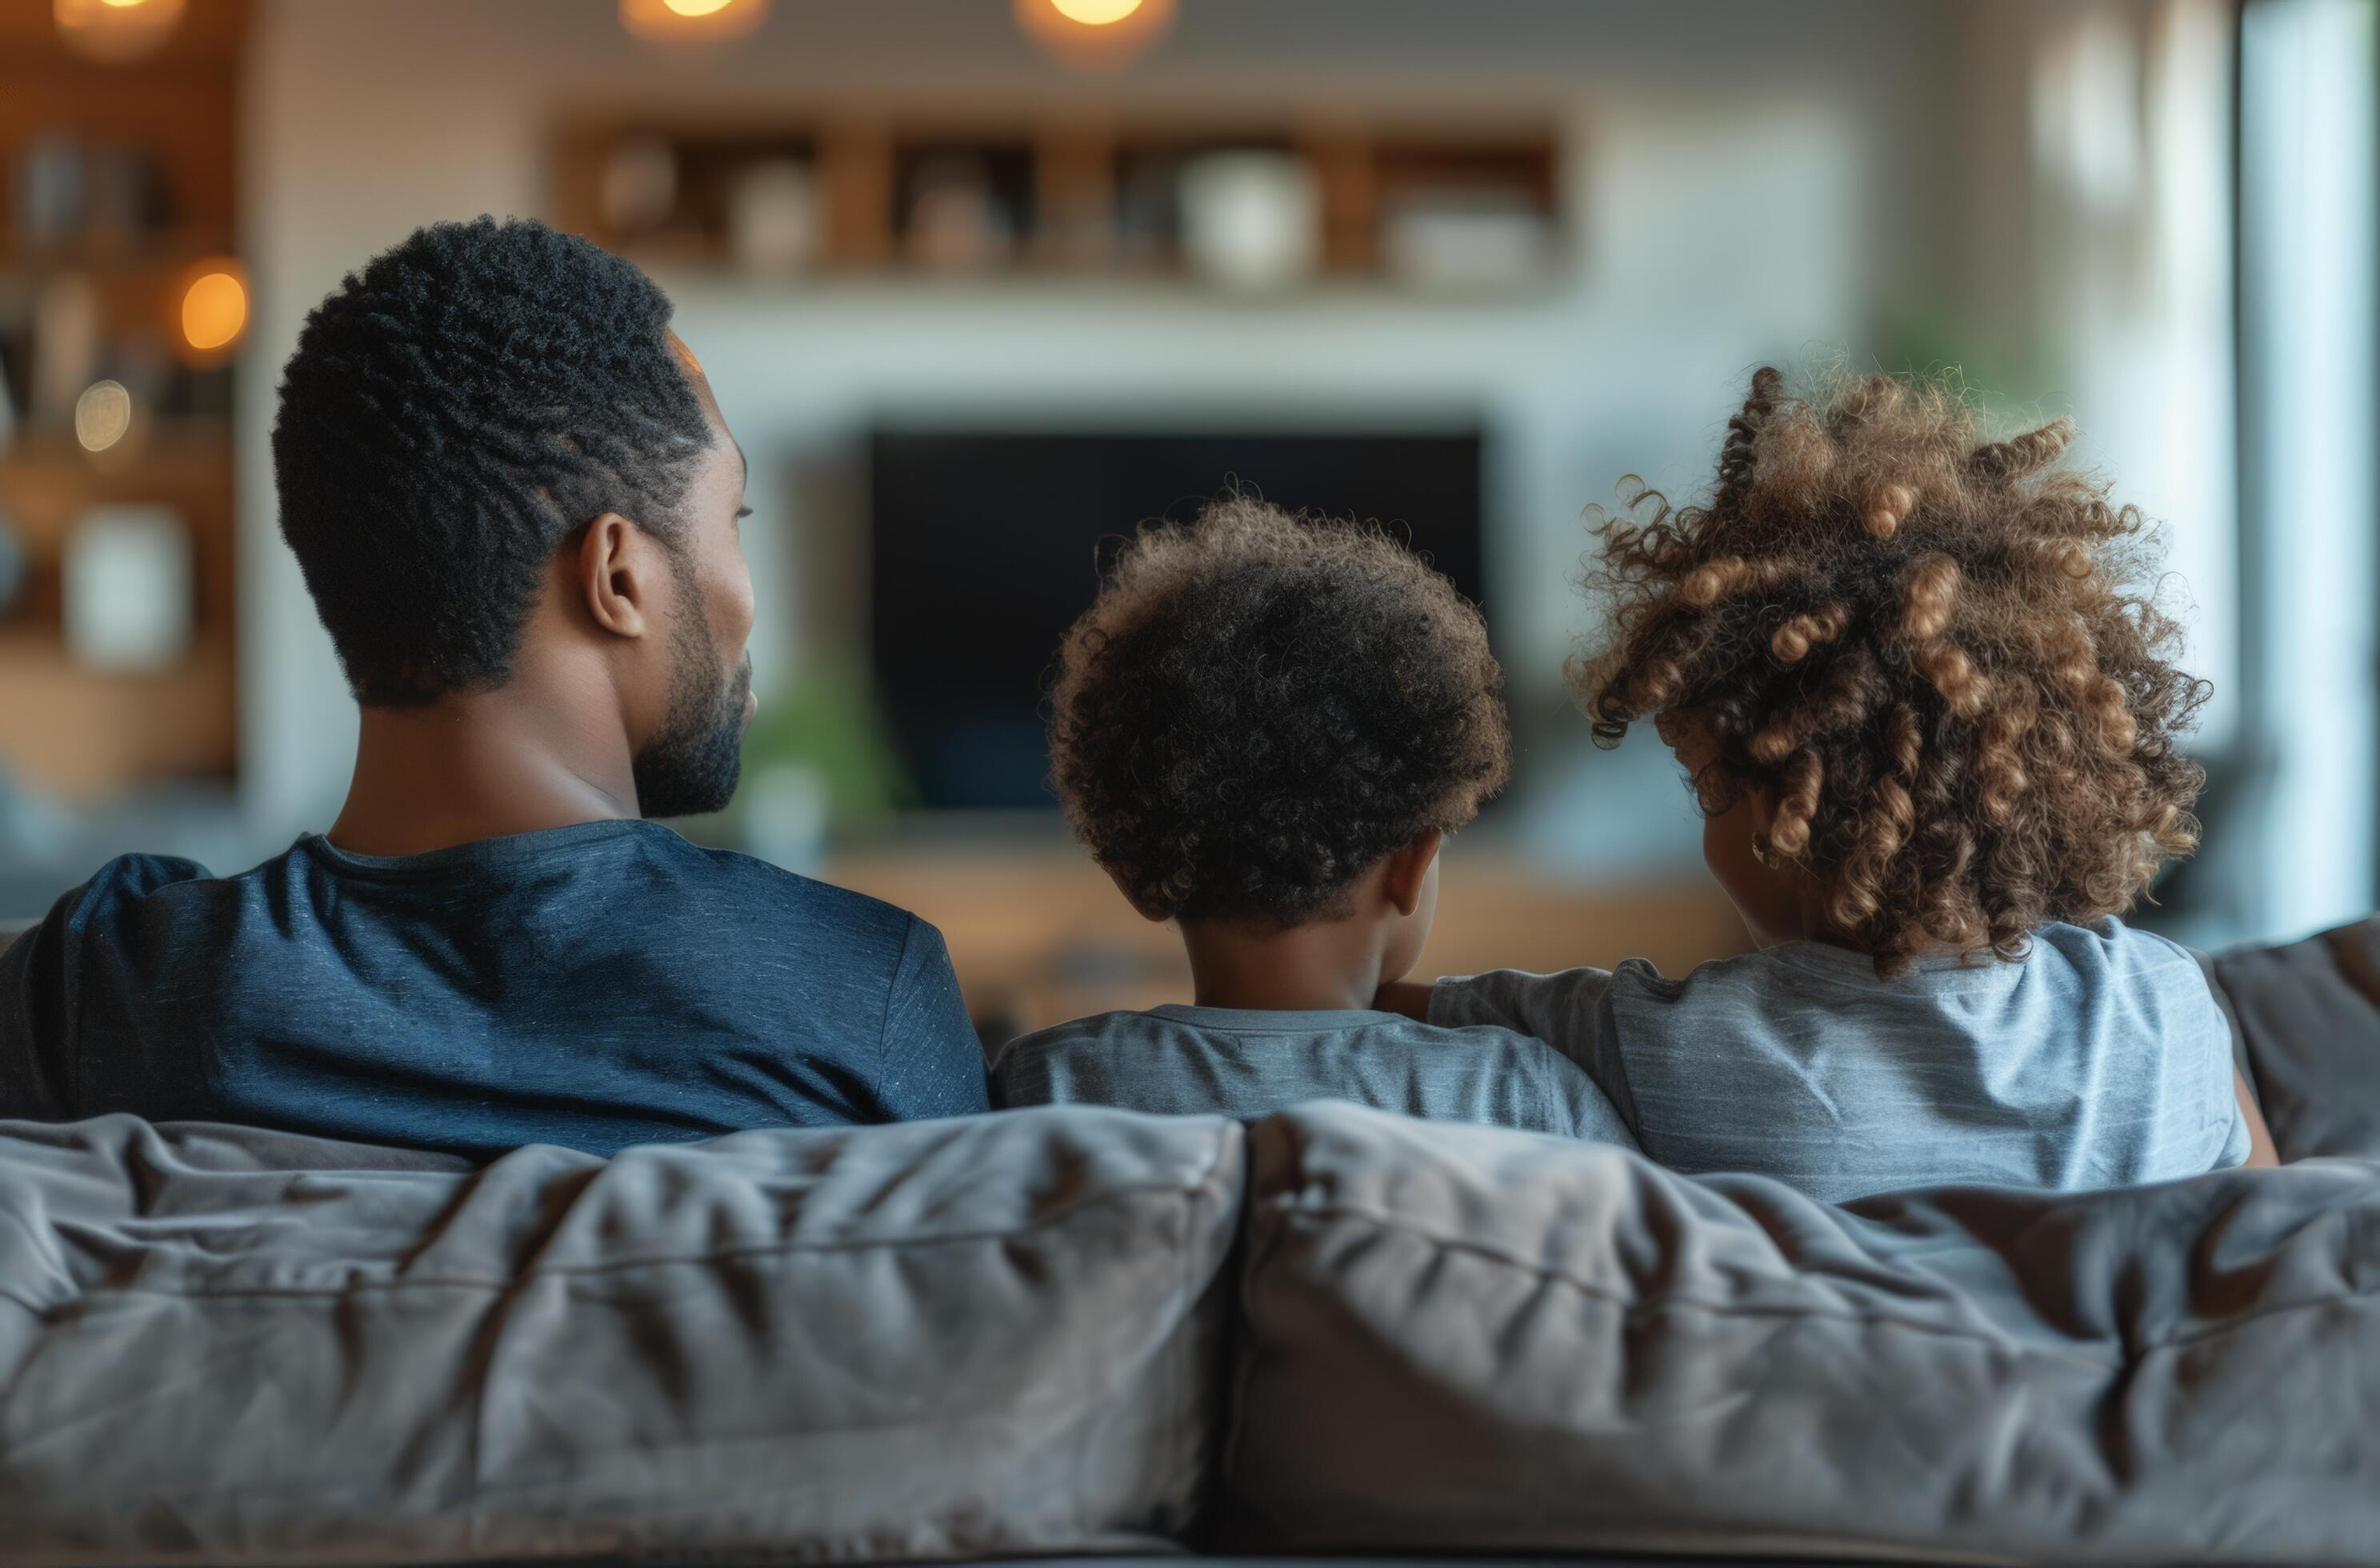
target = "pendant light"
x: 1095, y: 35
x: 115, y: 31
x: 692, y: 21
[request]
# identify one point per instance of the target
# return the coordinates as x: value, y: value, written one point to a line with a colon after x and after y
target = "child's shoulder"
x: 2107, y: 947
x: 2144, y: 971
x: 2112, y: 943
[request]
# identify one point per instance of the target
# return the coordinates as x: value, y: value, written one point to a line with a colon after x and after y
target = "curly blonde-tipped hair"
x: 1920, y: 646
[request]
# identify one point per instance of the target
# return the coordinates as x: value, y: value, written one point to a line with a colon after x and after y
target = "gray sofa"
x: 1078, y: 1332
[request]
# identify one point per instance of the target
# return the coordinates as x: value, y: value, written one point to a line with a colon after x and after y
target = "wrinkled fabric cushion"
x: 963, y: 1338
x: 2309, y: 1016
x: 1456, y: 1337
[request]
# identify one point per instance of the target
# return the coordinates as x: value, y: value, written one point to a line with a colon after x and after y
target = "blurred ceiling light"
x: 214, y: 306
x: 692, y: 21
x: 1095, y: 35
x: 103, y: 415
x: 114, y: 31
x: 1096, y: 13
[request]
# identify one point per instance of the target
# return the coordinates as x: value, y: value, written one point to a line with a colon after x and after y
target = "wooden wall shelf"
x: 891, y: 193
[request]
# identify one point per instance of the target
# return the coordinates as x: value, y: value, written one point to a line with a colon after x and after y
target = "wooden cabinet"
x: 163, y: 132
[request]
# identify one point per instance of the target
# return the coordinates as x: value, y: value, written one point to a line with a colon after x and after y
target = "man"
x: 516, y: 506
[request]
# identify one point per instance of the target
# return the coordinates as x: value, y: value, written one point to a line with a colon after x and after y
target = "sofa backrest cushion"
x: 946, y: 1339
x: 1466, y: 1339
x: 2309, y: 1016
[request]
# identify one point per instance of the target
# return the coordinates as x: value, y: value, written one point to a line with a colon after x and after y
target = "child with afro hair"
x: 1931, y: 730
x: 1264, y: 730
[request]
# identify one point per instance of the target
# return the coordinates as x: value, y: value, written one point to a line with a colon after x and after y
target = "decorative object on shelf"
x: 1095, y: 35
x: 1251, y: 221
x: 124, y: 196
x: 639, y: 185
x: 956, y: 220
x: 49, y: 189
x: 818, y: 767
x: 773, y: 218
x: 75, y: 192
x: 128, y: 575
x: 67, y: 341
x: 212, y: 310
x: 781, y: 816
x: 692, y: 21
x: 1466, y: 239
x: 116, y: 31
x: 15, y: 566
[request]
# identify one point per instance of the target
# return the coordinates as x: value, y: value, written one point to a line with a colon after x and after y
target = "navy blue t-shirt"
x: 594, y: 986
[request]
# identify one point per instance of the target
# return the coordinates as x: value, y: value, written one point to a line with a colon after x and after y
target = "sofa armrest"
x: 2306, y: 1026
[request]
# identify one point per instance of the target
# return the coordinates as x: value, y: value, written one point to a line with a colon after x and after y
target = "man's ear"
x: 617, y: 575
x: 1408, y: 868
x: 1143, y: 910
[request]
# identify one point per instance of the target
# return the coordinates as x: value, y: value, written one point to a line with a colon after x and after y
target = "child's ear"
x: 1763, y: 810
x: 1408, y: 869
x: 1143, y: 910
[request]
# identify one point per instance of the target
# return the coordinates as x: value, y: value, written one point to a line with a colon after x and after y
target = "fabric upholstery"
x: 1458, y: 1338
x: 2308, y: 1016
x: 960, y: 1338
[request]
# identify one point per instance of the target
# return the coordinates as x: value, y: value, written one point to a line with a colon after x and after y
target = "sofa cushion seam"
x: 1109, y: 1199
x: 1642, y: 1305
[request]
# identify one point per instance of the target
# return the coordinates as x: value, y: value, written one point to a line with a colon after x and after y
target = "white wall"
x: 1749, y: 181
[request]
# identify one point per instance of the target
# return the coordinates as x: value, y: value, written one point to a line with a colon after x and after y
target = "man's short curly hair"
x: 452, y: 413
x: 1260, y: 708
x: 1922, y: 646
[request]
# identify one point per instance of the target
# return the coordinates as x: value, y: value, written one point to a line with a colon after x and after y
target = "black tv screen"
x: 987, y: 547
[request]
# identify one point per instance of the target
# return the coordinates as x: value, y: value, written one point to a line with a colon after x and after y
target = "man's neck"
x: 479, y: 765
x: 1320, y: 967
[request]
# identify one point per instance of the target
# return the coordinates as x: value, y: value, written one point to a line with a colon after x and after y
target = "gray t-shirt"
x: 1221, y: 1061
x: 2099, y: 1060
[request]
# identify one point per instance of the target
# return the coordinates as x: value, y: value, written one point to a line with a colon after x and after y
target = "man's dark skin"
x: 589, y: 685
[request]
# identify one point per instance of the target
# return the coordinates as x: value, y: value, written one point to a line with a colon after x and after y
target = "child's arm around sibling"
x: 1933, y: 737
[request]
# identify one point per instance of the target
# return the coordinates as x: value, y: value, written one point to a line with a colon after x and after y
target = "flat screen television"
x: 988, y: 545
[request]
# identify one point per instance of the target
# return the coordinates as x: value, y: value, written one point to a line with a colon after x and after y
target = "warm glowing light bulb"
x: 116, y: 30
x: 214, y: 308
x: 692, y: 21
x: 1095, y: 35
x: 103, y: 415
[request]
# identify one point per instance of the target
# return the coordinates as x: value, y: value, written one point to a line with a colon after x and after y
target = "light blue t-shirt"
x: 2100, y: 1060
x: 1234, y: 1062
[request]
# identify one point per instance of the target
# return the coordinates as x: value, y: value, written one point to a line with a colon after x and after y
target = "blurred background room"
x: 982, y: 283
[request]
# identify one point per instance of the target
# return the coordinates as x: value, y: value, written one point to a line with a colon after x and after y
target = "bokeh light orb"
x: 1095, y: 36
x: 1096, y: 13
x: 692, y: 21
x: 215, y: 307
x: 103, y: 415
x: 114, y: 31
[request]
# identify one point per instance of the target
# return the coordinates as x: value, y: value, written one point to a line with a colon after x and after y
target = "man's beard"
x: 690, y: 765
